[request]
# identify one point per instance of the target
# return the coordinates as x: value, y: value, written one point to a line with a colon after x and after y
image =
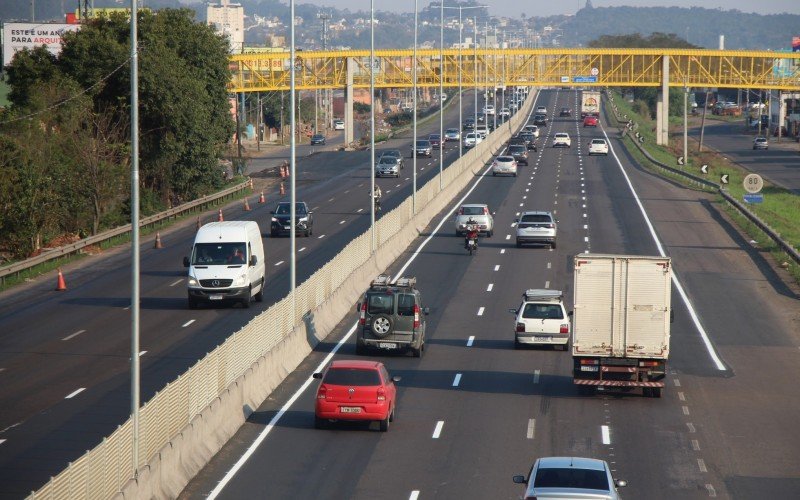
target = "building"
x: 228, y: 19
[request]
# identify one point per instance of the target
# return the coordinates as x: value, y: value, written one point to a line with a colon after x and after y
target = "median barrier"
x: 185, y: 424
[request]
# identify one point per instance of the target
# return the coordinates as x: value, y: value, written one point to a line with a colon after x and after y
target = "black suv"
x: 392, y: 317
x: 520, y: 153
x: 281, y: 219
x: 530, y: 139
x: 469, y: 124
x: 540, y: 120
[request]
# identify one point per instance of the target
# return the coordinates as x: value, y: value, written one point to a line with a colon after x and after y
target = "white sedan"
x: 562, y: 140
x: 598, y: 147
x: 488, y: 109
x: 472, y: 139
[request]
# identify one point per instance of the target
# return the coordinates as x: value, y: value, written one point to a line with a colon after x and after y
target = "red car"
x: 436, y: 140
x: 355, y: 390
x: 590, y: 121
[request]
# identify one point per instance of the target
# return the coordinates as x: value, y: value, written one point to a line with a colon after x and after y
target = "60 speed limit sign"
x: 753, y: 183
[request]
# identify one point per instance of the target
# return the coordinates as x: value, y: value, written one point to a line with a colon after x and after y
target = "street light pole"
x: 441, y: 90
x: 292, y: 164
x: 414, y: 104
x: 475, y: 74
x: 134, y: 236
x: 372, y: 117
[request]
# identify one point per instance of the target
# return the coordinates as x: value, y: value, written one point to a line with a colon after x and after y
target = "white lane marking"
x: 701, y: 464
x: 341, y: 222
x: 531, y: 428
x: 536, y: 374
x: 677, y: 382
x: 438, y: 430
x: 480, y: 311
x: 330, y: 200
x: 279, y: 263
x: 586, y: 239
x: 302, y: 249
x: 359, y: 210
x: 176, y: 282
x: 525, y: 198
x: 685, y: 410
x: 68, y: 337
x: 711, y: 491
x: 489, y: 288
x: 315, y: 208
x: 508, y: 236
x: 549, y: 265
x: 522, y: 204
x: 606, y: 434
x: 695, y: 319
x: 398, y: 185
x: 72, y: 395
x: 547, y: 284
x: 691, y: 427
x: 142, y: 353
x: 502, y: 250
x: 320, y: 236
x: 2, y: 369
x: 346, y: 191
x: 414, y: 495
x: 497, y: 267
x: 388, y: 191
x: 470, y: 340
x: 695, y: 445
x: 681, y: 396
x: 457, y: 380
x: 585, y: 226
x: 2, y: 441
x: 408, y: 178
x: 187, y: 323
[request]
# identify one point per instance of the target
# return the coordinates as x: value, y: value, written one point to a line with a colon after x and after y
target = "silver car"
x: 536, y: 227
x: 452, y: 134
x: 395, y: 153
x: 571, y: 477
x: 479, y: 212
x: 387, y: 166
x: 423, y: 147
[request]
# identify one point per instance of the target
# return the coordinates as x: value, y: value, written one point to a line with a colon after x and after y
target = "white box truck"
x: 227, y: 264
x: 621, y: 322
x: 590, y: 103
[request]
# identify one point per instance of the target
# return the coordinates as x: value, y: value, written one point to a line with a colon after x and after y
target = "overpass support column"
x: 662, y: 106
x: 348, y: 102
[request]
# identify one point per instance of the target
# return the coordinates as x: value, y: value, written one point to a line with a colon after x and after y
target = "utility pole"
x: 327, y: 96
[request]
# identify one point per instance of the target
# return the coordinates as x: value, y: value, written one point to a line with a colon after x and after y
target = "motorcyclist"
x: 472, y: 232
x: 376, y: 197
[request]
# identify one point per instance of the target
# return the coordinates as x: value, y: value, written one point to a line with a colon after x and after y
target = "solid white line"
x: 72, y: 395
x: 489, y: 288
x: 176, y: 282
x: 497, y: 267
x: 470, y: 340
x: 278, y: 263
x: 480, y: 311
x: 531, y: 428
x: 710, y: 348
x: 606, y: 434
x: 414, y: 495
x: 438, y: 430
x: 302, y: 249
x: 320, y: 236
x: 188, y: 323
x: 272, y: 423
x: 536, y: 374
x: 74, y: 335
x: 457, y: 380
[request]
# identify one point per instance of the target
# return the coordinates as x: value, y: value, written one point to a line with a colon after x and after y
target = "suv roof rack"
x: 381, y: 280
x: 542, y: 294
x: 407, y: 282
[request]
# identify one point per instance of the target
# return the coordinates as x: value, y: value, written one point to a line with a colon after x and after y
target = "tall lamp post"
x: 292, y: 162
x: 441, y: 90
x: 134, y: 236
x: 475, y: 73
x: 414, y: 104
x: 372, y: 116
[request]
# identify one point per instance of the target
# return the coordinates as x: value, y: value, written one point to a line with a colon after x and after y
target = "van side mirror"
x: 317, y: 375
x: 253, y: 260
x: 186, y: 262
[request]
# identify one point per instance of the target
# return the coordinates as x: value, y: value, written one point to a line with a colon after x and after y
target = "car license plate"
x: 539, y: 338
x: 215, y: 297
x: 588, y: 368
x: 350, y: 409
x: 387, y: 345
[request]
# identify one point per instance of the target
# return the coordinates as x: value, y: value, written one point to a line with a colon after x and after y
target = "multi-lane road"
x: 473, y: 411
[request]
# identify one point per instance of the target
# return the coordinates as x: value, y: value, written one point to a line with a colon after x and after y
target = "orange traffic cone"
x: 261, y: 198
x: 246, y: 205
x: 219, y: 217
x: 61, y: 285
x: 158, y: 241
x: 198, y: 223
x: 283, y: 190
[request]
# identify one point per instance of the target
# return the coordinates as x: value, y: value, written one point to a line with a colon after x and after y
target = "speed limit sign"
x: 594, y: 71
x: 753, y: 183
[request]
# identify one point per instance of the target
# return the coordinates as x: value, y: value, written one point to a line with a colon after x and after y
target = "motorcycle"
x: 471, y: 245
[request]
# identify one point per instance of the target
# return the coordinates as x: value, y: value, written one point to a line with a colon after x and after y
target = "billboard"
x: 18, y: 36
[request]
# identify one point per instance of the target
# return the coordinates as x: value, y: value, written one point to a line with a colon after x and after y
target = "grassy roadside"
x: 780, y: 210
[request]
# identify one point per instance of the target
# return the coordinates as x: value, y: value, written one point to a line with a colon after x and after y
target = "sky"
x: 540, y: 8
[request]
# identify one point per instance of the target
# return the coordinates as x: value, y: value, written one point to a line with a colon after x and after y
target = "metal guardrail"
x: 65, y: 250
x: 763, y: 226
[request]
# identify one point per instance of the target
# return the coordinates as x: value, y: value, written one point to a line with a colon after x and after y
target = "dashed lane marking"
x: 502, y: 250
x: 606, y: 434
x: 549, y: 265
x: 330, y: 200
x: 536, y: 374
x: 438, y: 430
x: 691, y: 427
x: 677, y: 382
x: 342, y: 222
x: 68, y: 337
x: 359, y: 210
x: 489, y: 288
x: 497, y: 267
x: 470, y: 340
x: 187, y: 323
x: 547, y: 284
x: 508, y: 236
x: 279, y: 263
x: 480, y: 311
x: 701, y: 464
x: 2, y: 441
x: 73, y: 394
x: 457, y: 380
x: 142, y: 353
x: 531, y: 428
x: 685, y: 410
x: 320, y: 236
x: 414, y: 495
x: 176, y: 282
x: 711, y: 491
x: 302, y: 249
x: 695, y: 445
x: 681, y: 396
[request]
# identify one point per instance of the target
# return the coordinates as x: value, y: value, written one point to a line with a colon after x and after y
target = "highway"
x: 64, y: 357
x: 473, y: 411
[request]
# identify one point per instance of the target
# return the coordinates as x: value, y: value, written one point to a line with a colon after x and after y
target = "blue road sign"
x: 754, y: 198
x: 584, y: 79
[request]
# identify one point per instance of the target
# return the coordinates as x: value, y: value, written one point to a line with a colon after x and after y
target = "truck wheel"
x: 260, y: 295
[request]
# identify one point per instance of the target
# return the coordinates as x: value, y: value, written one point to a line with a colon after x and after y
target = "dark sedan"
x: 317, y: 139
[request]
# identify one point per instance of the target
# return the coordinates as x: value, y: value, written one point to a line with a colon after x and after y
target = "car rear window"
x: 405, y: 304
x: 352, y: 377
x: 543, y: 311
x: 516, y: 149
x: 571, y: 478
x: 471, y: 210
x: 536, y: 218
x: 380, y: 303
x: 598, y: 141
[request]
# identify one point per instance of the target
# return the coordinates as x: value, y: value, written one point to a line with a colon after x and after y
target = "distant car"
x: 760, y: 143
x: 357, y: 390
x: 541, y: 110
x: 387, y: 166
x: 570, y: 477
x: 488, y: 109
x: 436, y: 97
x: 513, y: 106
x: 395, y: 153
x: 338, y: 124
x: 435, y: 140
x: 504, y: 165
x: 519, y: 152
x: 504, y: 113
x: 452, y: 134
x: 590, y: 121
x: 318, y: 139
x: 562, y: 140
x: 533, y: 129
x: 282, y: 219
x: 480, y: 213
x: 565, y: 112
x: 530, y: 140
x: 540, y: 120
x: 598, y: 147
x: 483, y: 131
x: 423, y: 147
x: 469, y: 124
x: 539, y: 228
x: 472, y: 139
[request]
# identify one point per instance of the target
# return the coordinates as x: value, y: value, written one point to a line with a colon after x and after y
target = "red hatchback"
x: 590, y: 121
x: 355, y: 390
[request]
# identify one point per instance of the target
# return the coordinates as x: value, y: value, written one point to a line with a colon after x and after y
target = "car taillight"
x: 549, y: 226
x: 416, y: 316
x: 564, y: 328
x: 381, y: 395
x: 362, y: 320
x: 520, y: 327
x: 590, y: 362
x: 322, y: 392
x: 485, y: 211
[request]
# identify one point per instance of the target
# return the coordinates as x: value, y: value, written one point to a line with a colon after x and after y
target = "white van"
x: 227, y: 264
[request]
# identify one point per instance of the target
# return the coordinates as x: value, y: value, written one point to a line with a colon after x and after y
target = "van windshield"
x: 219, y: 254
